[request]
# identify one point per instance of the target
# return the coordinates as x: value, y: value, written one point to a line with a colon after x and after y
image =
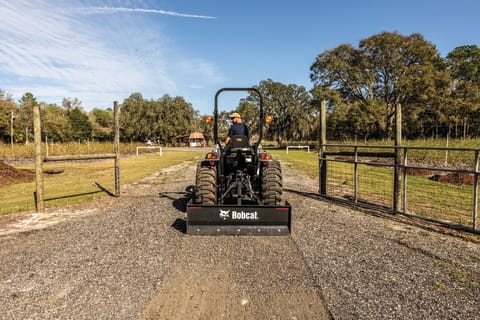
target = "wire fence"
x: 438, y: 184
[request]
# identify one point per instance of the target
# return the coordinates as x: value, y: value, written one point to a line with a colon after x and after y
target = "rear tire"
x: 272, y: 184
x: 206, y: 186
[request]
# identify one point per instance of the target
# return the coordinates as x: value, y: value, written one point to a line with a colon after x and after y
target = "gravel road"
x: 128, y: 258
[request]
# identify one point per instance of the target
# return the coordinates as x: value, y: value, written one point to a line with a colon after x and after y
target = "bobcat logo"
x: 224, y: 214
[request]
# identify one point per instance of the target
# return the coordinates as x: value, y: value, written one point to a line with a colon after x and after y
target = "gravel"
x: 128, y: 258
x: 378, y: 266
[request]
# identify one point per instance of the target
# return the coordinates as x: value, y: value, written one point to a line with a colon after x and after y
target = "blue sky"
x: 101, y: 51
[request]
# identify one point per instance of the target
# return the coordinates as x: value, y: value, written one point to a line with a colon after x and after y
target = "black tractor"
x: 238, y: 187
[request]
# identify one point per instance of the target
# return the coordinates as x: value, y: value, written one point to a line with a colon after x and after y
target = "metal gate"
x: 437, y: 184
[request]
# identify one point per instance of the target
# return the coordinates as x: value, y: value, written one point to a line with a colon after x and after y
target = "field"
x: 72, y: 182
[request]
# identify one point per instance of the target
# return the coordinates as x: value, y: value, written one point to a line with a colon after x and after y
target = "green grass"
x: 306, y: 162
x: 74, y: 185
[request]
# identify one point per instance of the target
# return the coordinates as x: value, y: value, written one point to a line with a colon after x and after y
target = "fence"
x: 39, y: 159
x: 437, y: 184
x: 160, y: 149
x: 298, y: 147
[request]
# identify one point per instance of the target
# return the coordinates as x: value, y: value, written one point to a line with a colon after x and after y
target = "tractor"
x: 238, y: 187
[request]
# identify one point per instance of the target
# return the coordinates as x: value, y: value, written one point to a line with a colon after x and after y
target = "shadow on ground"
x: 179, y: 202
x: 386, y: 213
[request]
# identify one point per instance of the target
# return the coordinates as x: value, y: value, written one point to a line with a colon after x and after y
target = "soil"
x: 9, y: 174
x: 129, y: 258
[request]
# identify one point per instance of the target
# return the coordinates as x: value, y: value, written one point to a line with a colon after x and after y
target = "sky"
x: 103, y: 51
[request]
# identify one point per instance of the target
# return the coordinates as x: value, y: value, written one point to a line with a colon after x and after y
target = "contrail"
x: 139, y: 10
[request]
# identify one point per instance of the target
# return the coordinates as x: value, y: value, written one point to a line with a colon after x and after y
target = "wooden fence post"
x: 397, y: 179
x: 37, y: 130
x: 116, y: 142
x: 476, y: 166
x: 12, y: 134
x: 322, y: 164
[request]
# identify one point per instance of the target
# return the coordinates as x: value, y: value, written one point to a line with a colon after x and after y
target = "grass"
x: 74, y: 185
x: 306, y: 162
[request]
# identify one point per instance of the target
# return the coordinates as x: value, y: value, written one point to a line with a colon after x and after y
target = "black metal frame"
x: 399, y: 204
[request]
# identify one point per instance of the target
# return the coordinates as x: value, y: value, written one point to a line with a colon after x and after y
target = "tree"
x: 291, y: 108
x: 388, y: 69
x: 130, y: 117
x: 69, y: 104
x: 80, y: 126
x: 4, y: 96
x: 7, y: 109
x: 463, y: 63
x: 25, y: 117
x: 55, y: 124
x: 162, y: 119
x: 102, y: 123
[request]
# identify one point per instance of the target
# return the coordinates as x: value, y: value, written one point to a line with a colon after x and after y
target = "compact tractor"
x: 238, y: 187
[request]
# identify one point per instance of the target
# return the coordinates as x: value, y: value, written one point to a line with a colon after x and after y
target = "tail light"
x: 265, y: 156
x: 212, y: 155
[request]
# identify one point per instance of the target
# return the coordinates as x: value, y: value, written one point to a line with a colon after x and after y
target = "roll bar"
x: 215, y: 112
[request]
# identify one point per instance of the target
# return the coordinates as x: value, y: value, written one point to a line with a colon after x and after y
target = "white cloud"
x: 53, y: 53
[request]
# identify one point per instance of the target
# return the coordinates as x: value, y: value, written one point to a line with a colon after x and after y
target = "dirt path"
x: 261, y: 278
x: 128, y: 258
x: 235, y: 277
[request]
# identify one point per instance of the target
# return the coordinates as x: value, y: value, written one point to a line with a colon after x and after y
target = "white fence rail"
x: 298, y: 147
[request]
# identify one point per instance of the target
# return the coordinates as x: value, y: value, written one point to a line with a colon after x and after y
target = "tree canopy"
x: 161, y: 120
x: 385, y: 70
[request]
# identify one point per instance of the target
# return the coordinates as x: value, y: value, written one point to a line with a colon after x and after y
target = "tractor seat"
x: 238, y: 143
x: 238, y: 153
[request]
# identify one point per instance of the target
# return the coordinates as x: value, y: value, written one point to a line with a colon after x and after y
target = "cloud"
x: 54, y: 52
x: 96, y: 10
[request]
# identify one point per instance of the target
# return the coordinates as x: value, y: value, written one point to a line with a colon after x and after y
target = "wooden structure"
x: 196, y: 139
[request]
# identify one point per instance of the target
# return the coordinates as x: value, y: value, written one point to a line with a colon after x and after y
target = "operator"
x: 238, y: 128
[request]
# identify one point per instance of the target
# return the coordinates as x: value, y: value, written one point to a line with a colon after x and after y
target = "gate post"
x: 475, y: 190
x: 116, y: 147
x: 37, y: 131
x: 397, y: 178
x: 322, y: 164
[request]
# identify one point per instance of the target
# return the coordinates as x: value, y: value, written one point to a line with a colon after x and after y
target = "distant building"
x: 196, y: 139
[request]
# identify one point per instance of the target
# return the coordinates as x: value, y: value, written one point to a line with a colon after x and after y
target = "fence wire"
x: 439, y: 184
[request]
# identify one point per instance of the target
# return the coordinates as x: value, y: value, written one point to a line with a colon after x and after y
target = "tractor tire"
x: 272, y: 184
x: 275, y: 164
x: 206, y: 185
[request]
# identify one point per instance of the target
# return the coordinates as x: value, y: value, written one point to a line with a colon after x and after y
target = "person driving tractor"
x: 238, y: 128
